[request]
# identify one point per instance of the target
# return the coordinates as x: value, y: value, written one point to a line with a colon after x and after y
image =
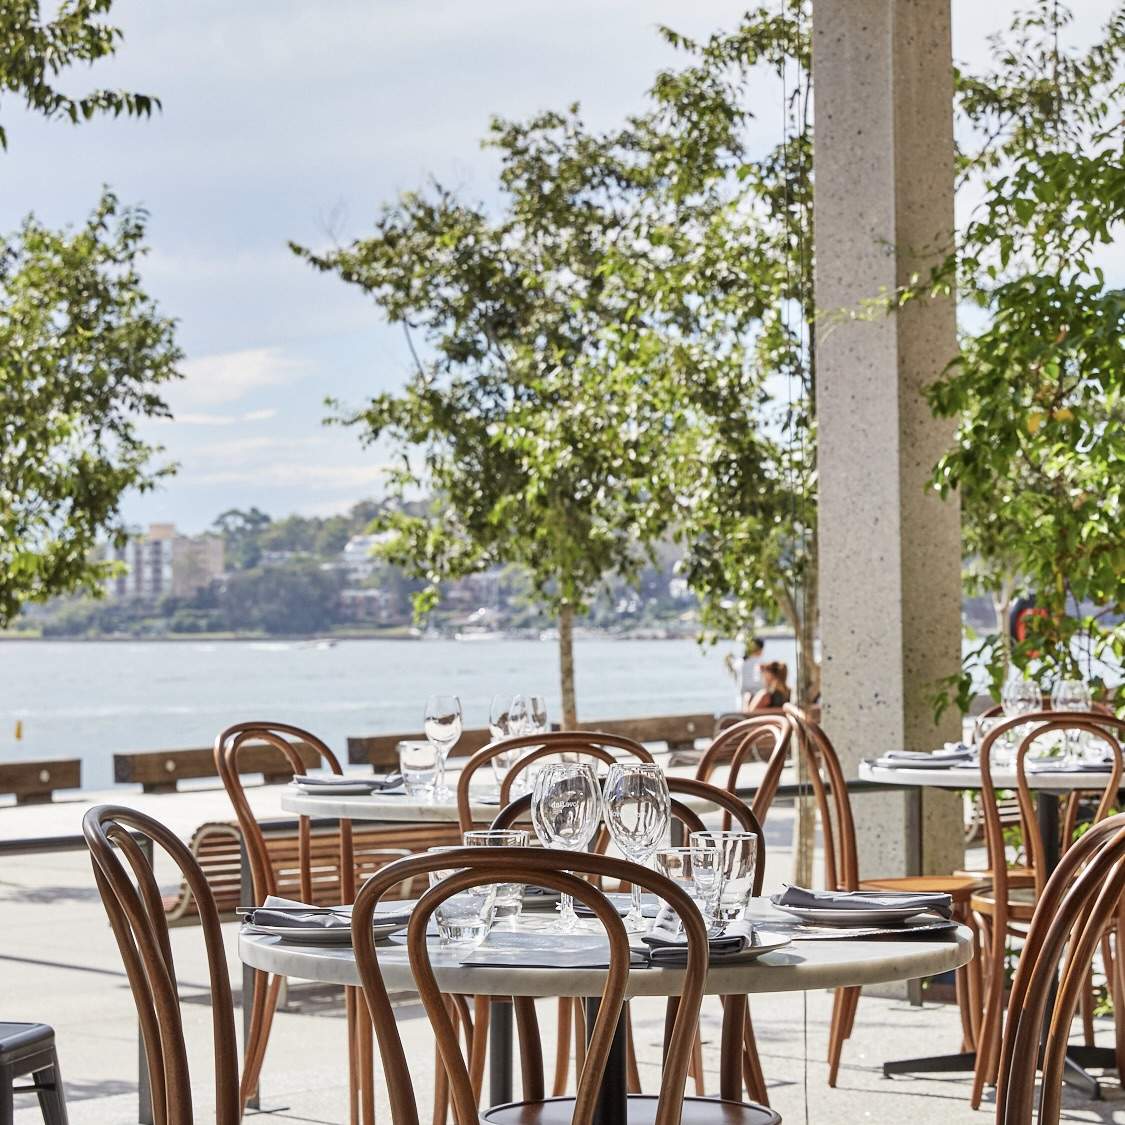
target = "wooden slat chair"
x: 761, y: 737
x: 1082, y: 900
x: 132, y: 901
x: 1006, y: 907
x: 829, y: 791
x: 548, y: 868
x: 230, y: 745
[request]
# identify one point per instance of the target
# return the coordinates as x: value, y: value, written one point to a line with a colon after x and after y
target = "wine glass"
x: 637, y: 807
x: 566, y: 808
x: 443, y: 729
x: 500, y: 726
x: 1071, y: 695
x: 519, y: 715
x: 1018, y: 697
x: 537, y: 706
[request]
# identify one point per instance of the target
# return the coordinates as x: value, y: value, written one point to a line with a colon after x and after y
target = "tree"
x: 83, y: 353
x: 37, y: 50
x: 535, y: 442
x: 1038, y: 385
x: 297, y: 598
x: 242, y: 532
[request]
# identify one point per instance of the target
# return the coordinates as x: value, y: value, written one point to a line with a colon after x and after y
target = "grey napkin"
x: 285, y: 912
x: 391, y: 785
x: 936, y: 902
x: 667, y: 946
x: 956, y: 753
x: 1056, y: 766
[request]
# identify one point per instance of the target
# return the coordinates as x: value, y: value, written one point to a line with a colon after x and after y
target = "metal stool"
x: 29, y: 1048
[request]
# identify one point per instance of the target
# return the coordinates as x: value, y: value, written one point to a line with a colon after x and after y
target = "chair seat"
x: 18, y: 1040
x: 1017, y: 876
x: 959, y: 887
x: 1021, y: 903
x: 642, y: 1111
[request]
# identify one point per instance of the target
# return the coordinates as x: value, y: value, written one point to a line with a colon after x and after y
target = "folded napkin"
x: 667, y: 946
x: 1055, y: 765
x: 285, y: 912
x: 392, y: 784
x: 951, y: 752
x: 802, y: 899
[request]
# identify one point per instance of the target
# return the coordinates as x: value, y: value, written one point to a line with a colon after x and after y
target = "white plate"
x: 343, y: 789
x: 765, y: 941
x: 835, y: 916
x: 324, y: 935
x: 915, y: 764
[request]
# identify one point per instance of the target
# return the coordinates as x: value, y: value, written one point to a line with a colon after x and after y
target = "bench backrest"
x: 159, y: 770
x: 34, y: 782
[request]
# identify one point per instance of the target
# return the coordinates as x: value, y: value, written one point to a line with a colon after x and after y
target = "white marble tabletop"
x: 798, y: 967
x: 968, y: 777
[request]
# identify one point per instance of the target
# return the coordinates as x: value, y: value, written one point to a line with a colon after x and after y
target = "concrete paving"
x: 59, y: 964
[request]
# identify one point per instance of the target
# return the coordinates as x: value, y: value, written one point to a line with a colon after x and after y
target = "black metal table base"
x: 1075, y: 1073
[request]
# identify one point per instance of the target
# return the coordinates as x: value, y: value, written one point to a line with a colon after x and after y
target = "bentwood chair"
x: 829, y: 791
x: 131, y: 897
x: 1005, y: 907
x: 604, y: 748
x: 229, y: 746
x: 736, y: 1011
x: 1080, y: 902
x: 548, y: 868
x: 761, y: 738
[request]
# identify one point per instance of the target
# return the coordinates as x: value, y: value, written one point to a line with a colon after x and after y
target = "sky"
x: 296, y: 119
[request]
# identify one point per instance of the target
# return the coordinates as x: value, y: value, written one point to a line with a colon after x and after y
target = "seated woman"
x: 775, y: 688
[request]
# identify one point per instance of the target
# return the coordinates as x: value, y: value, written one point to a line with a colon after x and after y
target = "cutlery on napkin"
x: 948, y: 756
x: 803, y: 899
x: 285, y: 912
x: 668, y: 946
x: 1057, y: 766
x: 392, y: 782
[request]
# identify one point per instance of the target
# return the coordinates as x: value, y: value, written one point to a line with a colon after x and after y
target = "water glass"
x: 509, y: 896
x: 417, y: 762
x: 464, y: 919
x: 696, y: 872
x: 443, y: 729
x: 738, y: 859
x: 637, y: 807
x: 566, y: 809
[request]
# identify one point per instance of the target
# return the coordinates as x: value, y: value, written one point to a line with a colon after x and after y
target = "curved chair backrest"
x: 283, y: 737
x: 547, y: 868
x: 132, y: 901
x: 590, y: 744
x: 760, y: 737
x: 1040, y: 724
x: 1080, y: 900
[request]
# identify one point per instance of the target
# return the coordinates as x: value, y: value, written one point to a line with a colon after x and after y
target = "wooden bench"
x: 34, y: 783
x: 158, y: 771
x: 677, y: 731
x: 218, y: 848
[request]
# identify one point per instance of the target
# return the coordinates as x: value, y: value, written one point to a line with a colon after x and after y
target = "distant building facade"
x: 163, y: 562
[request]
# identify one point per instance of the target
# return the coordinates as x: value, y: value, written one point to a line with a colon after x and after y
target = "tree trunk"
x: 566, y: 666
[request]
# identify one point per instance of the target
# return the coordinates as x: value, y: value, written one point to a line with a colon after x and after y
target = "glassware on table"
x: 464, y: 919
x: 537, y: 709
x: 738, y: 859
x: 637, y: 808
x: 566, y: 808
x: 443, y: 728
x: 1072, y: 695
x: 509, y: 896
x: 696, y: 872
x: 1017, y: 697
x: 417, y: 762
x: 500, y: 720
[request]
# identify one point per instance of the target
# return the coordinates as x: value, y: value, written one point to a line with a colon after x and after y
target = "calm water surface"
x: 90, y: 699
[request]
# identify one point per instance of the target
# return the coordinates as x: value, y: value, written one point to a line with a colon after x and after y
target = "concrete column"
x: 890, y: 550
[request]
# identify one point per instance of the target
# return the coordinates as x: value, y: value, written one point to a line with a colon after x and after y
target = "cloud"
x: 213, y: 380
x: 190, y: 418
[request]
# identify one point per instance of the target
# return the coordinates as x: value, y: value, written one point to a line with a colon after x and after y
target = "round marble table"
x: 799, y: 966
x: 968, y: 777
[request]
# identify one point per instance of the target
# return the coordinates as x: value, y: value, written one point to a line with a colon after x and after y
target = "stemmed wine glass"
x: 1071, y: 695
x: 637, y: 807
x: 566, y: 808
x: 443, y: 729
x: 501, y: 717
x: 1019, y: 697
x: 537, y: 708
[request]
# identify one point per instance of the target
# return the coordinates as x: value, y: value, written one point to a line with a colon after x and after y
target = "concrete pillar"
x: 890, y: 552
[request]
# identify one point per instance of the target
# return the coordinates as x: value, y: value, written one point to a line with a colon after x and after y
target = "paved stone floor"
x: 58, y: 964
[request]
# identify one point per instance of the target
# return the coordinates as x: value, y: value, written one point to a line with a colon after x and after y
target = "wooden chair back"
x: 556, y: 870
x: 230, y: 745
x: 1082, y: 898
x: 579, y: 743
x: 132, y: 900
x: 765, y: 737
x: 1039, y: 724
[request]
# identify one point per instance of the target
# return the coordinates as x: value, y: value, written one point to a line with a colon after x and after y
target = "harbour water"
x: 90, y: 699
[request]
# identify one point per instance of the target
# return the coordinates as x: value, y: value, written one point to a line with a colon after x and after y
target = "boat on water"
x: 483, y: 634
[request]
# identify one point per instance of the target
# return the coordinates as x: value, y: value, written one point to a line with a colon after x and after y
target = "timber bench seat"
x: 35, y: 782
x: 159, y: 771
x: 217, y: 846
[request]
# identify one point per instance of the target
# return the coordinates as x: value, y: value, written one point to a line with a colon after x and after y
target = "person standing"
x: 746, y: 671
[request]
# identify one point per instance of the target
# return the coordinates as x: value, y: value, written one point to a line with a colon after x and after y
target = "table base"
x: 1075, y: 1072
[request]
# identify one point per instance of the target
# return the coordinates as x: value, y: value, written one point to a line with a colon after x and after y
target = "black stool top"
x: 17, y: 1039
